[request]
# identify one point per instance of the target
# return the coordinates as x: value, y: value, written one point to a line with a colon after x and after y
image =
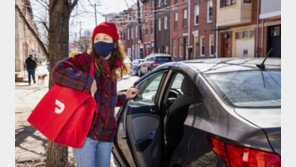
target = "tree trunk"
x: 58, y: 49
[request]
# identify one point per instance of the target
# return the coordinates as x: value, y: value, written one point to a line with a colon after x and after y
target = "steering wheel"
x: 173, y: 94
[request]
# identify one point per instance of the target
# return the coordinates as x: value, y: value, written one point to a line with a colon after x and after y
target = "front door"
x: 140, y: 123
x: 226, y: 45
x: 274, y: 41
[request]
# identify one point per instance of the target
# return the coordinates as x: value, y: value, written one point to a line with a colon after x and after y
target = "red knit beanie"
x: 106, y: 28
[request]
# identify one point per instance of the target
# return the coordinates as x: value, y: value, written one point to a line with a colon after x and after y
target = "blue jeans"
x: 31, y: 73
x: 93, y: 154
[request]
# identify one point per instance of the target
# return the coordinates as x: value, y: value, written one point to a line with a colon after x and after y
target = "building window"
x: 159, y: 3
x: 165, y: 23
x: 224, y: 3
x: 210, y: 11
x: 132, y: 33
x: 245, y: 34
x: 202, y: 46
x: 211, y: 44
x: 136, y: 31
x: 185, y: 18
x: 247, y: 1
x: 176, y: 21
x: 275, y: 31
x: 176, y: 1
x: 128, y: 34
x: 252, y: 33
x: 237, y: 35
x: 196, y: 18
x: 165, y: 2
x: 159, y: 24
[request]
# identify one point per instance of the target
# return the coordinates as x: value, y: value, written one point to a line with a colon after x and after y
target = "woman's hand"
x: 131, y: 92
x: 93, y: 88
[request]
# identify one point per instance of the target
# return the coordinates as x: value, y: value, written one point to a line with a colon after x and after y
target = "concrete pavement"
x: 30, y: 144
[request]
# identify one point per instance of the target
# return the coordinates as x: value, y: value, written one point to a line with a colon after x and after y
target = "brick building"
x: 148, y: 27
x: 240, y: 27
x: 162, y: 28
x: 25, y: 43
x: 199, y: 20
x: 203, y: 23
x: 192, y: 29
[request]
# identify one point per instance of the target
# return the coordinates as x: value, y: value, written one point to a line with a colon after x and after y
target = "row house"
x: 25, y: 43
x: 148, y: 26
x: 192, y: 29
x: 128, y: 29
x: 248, y: 28
x: 193, y: 32
x: 162, y: 28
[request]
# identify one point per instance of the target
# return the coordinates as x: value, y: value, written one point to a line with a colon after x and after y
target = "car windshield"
x: 248, y: 88
x: 162, y: 59
x: 136, y: 62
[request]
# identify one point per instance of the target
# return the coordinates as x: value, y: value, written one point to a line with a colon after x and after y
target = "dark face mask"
x: 103, y: 48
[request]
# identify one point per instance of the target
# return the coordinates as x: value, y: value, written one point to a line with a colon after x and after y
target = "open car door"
x: 143, y: 122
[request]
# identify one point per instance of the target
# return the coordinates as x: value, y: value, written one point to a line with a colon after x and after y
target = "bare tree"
x: 84, y: 41
x: 58, y: 49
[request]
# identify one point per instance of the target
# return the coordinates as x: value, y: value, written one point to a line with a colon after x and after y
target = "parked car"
x: 152, y: 61
x: 135, y: 66
x: 206, y: 112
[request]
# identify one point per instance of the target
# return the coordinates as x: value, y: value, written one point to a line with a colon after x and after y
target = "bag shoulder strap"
x: 92, y: 69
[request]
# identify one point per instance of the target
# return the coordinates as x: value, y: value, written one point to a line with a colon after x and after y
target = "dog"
x: 41, y: 78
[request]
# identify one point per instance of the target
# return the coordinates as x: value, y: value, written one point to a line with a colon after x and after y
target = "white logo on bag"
x: 61, y: 107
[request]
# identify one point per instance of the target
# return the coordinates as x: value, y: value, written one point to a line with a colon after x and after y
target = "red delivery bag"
x: 64, y: 115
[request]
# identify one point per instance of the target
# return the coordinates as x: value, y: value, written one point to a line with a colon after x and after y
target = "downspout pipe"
x: 188, y: 46
x: 257, y: 30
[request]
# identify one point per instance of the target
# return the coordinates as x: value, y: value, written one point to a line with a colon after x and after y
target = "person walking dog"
x: 73, y: 72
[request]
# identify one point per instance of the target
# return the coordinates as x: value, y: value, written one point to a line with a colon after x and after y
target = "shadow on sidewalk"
x: 28, y: 131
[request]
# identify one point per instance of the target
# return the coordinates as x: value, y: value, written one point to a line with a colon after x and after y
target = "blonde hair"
x: 117, y: 53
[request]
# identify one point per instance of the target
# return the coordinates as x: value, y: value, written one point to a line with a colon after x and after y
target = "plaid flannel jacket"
x: 73, y: 72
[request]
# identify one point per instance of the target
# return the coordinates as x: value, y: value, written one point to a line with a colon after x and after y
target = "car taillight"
x: 240, y: 156
x: 156, y: 63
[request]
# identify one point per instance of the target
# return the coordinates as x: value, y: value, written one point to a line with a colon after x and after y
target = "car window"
x: 163, y: 59
x: 178, y: 82
x: 148, y: 90
x: 248, y: 88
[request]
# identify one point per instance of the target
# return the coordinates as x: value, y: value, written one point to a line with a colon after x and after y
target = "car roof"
x: 218, y: 65
x: 159, y: 55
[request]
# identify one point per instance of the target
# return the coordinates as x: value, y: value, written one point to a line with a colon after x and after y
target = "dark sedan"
x: 205, y: 112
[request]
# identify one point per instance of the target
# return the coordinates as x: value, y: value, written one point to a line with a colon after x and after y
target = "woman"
x: 73, y: 72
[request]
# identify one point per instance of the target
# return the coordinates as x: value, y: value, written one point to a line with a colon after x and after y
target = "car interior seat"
x: 175, y: 118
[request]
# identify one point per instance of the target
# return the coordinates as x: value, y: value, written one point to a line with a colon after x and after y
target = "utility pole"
x: 96, y: 13
x: 80, y: 29
x: 140, y: 29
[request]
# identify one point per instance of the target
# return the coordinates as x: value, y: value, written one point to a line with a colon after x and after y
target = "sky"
x: 85, y: 14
